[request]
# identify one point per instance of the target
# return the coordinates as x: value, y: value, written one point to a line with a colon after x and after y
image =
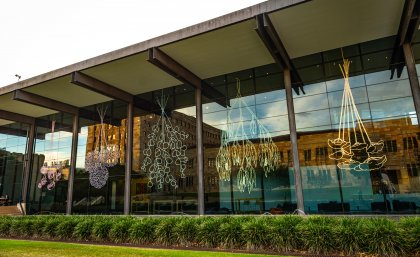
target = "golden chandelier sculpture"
x: 237, y: 149
x: 353, y: 149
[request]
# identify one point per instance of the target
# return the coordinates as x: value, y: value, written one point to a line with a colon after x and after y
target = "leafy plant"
x: 143, y: 230
x: 382, y: 236
x: 185, y: 231
x: 164, y: 231
x: 208, y: 232
x: 119, y: 230
x: 231, y: 233
x: 257, y: 232
x: 50, y: 227
x: 317, y: 234
x: 349, y: 235
x: 284, y: 234
x: 66, y: 227
x: 101, y: 229
x: 411, y: 232
x: 83, y: 230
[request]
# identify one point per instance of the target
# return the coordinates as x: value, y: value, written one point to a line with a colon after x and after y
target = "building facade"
x: 260, y: 118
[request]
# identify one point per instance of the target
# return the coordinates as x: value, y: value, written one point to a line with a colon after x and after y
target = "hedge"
x: 282, y: 234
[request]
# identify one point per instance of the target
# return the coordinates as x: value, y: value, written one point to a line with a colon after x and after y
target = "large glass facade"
x: 257, y: 114
x: 52, y: 151
x: 164, y: 177
x: 358, y: 145
x: 386, y: 114
x: 107, y: 197
x: 13, y: 140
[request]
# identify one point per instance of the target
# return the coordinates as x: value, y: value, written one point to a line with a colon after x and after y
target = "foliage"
x: 317, y: 234
x: 142, y: 231
x: 288, y: 233
x: 284, y: 235
x: 119, y: 230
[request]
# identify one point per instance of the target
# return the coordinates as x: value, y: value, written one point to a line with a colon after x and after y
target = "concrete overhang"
x: 218, y: 46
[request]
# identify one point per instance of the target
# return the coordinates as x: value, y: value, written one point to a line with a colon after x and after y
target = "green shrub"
x: 101, y: 228
x: 411, y: 232
x: 185, y: 231
x: 21, y: 227
x: 50, y: 227
x: 208, y: 231
x: 257, y: 233
x: 164, y: 231
x: 120, y: 230
x: 38, y: 226
x: 83, y: 230
x: 5, y: 224
x: 143, y: 230
x: 382, y: 236
x: 349, y: 235
x: 317, y: 234
x: 66, y: 227
x: 231, y: 233
x: 284, y: 235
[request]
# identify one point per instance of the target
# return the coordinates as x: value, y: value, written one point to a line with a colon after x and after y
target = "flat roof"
x: 222, y: 45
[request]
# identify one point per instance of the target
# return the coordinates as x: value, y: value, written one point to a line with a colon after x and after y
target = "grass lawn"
x: 20, y: 248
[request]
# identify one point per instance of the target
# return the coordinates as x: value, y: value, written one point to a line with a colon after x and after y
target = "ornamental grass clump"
x: 142, y: 231
x: 257, y: 233
x: 349, y: 235
x: 208, y: 231
x: 317, y: 234
x: 231, y: 232
x: 410, y: 227
x: 101, y: 228
x: 50, y: 227
x: 284, y: 235
x: 382, y: 236
x: 164, y: 231
x: 119, y: 230
x: 65, y: 228
x: 83, y: 230
x: 185, y: 231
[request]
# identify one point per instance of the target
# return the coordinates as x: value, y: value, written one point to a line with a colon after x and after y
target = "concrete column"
x: 200, y: 151
x: 128, y: 158
x: 28, y: 165
x: 73, y: 159
x: 293, y: 140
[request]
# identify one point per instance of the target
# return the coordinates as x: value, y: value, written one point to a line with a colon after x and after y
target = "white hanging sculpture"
x: 166, y: 150
x: 102, y: 157
x: 52, y: 169
x: 238, y: 150
x: 353, y: 149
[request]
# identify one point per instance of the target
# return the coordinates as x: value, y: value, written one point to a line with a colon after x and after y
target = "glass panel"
x: 263, y: 109
x: 13, y: 139
x: 376, y: 171
x: 51, y: 165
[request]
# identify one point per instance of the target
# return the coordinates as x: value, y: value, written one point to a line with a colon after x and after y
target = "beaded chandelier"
x: 102, y: 157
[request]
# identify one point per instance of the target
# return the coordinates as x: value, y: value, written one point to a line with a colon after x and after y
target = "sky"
x: 43, y: 35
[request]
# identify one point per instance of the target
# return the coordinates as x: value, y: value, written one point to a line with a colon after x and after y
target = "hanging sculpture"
x: 353, y: 149
x: 238, y: 150
x: 52, y: 169
x: 165, y: 150
x: 102, y: 157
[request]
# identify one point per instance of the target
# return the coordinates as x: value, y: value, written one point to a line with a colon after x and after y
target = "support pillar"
x: 293, y: 140
x: 200, y: 151
x: 412, y: 76
x: 28, y: 165
x: 128, y: 158
x: 73, y: 159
